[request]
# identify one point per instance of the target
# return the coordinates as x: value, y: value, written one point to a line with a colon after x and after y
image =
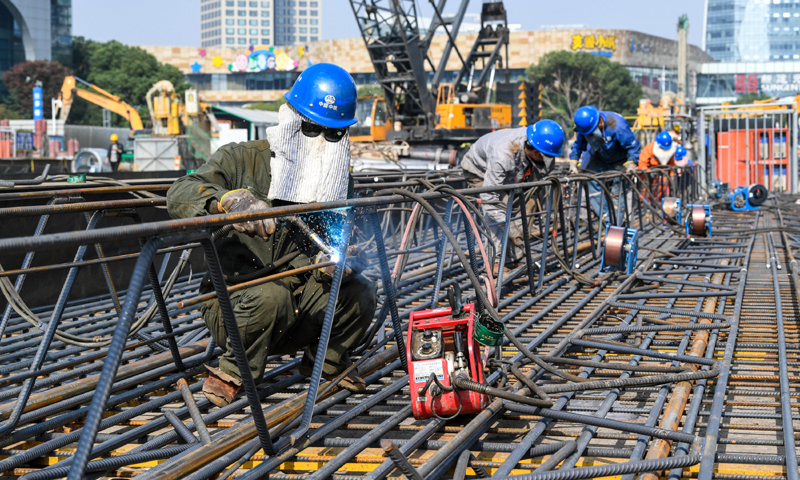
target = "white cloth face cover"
x: 306, y: 169
x: 662, y: 155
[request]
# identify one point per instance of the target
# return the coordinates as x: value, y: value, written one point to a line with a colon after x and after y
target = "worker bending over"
x: 681, y: 159
x: 506, y: 157
x: 658, y: 153
x: 610, y: 143
x: 304, y: 159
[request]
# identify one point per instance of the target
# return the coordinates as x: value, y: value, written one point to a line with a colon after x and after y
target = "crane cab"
x: 464, y: 111
x: 373, y: 120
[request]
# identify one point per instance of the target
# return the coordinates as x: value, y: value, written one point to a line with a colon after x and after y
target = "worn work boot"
x: 220, y: 388
x: 351, y: 381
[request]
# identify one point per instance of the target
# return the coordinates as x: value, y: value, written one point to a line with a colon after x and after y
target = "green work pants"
x: 274, y: 321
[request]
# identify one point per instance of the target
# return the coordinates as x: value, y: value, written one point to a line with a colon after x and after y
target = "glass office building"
x: 34, y: 30
x: 752, y: 30
x: 237, y: 23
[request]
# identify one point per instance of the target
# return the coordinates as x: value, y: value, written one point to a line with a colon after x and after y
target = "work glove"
x: 355, y: 263
x: 630, y: 167
x: 242, y: 201
x: 515, y: 236
x: 573, y: 167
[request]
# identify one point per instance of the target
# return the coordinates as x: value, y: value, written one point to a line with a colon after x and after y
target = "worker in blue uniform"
x: 610, y: 144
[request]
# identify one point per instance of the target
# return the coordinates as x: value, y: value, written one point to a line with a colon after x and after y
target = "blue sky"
x: 176, y: 22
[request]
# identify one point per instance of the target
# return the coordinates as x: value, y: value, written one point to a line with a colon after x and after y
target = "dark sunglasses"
x: 332, y: 135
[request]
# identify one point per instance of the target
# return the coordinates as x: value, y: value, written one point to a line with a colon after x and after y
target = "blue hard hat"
x: 680, y: 152
x: 586, y: 119
x: 664, y: 140
x: 325, y: 94
x: 546, y: 136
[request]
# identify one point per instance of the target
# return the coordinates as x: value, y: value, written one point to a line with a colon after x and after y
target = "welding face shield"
x: 307, y: 168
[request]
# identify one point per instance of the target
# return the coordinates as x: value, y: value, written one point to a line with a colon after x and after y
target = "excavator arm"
x: 102, y: 98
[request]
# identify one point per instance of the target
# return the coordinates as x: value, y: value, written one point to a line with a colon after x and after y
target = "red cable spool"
x: 613, y: 253
x: 698, y: 220
x: 671, y: 207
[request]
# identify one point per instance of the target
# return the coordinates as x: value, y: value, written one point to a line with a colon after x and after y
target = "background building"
x: 34, y: 30
x: 225, y: 75
x: 752, y: 30
x: 757, y: 45
x: 237, y: 23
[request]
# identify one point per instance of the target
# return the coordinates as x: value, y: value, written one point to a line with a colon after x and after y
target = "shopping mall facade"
x: 234, y: 76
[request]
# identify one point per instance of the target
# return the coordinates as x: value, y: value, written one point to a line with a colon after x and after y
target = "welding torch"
x: 299, y: 223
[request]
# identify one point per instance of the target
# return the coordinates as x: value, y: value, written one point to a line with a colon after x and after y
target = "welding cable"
x: 655, y: 211
x: 399, y: 264
x: 556, y: 371
x: 467, y: 384
x: 574, y: 273
x: 22, y: 309
x: 444, y: 388
x: 536, y: 389
x: 466, y: 206
x: 462, y: 257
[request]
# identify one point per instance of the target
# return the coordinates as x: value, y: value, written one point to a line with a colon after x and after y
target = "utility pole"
x: 683, y: 32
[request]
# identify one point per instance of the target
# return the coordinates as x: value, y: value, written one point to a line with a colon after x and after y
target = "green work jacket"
x: 245, y: 165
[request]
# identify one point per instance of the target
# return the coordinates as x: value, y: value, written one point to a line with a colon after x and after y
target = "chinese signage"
x: 641, y: 47
x: 653, y: 82
x: 769, y: 83
x: 746, y: 83
x: 38, y: 105
x: 603, y: 45
x: 781, y: 83
x: 260, y: 60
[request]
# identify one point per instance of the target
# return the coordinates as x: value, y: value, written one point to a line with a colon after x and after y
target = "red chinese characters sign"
x: 746, y: 83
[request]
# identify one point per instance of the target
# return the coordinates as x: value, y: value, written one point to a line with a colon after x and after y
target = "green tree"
x: 125, y: 71
x: 267, y: 106
x: 571, y: 80
x: 22, y: 77
x: 748, y: 98
x: 369, y: 90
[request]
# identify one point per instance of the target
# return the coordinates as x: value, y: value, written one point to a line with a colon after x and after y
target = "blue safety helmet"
x: 586, y: 119
x: 325, y: 94
x: 546, y: 136
x: 664, y: 140
x: 680, y: 152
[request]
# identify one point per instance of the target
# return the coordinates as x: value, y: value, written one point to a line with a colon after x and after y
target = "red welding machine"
x: 441, y: 345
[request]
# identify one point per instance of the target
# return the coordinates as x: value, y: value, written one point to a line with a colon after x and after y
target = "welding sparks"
x: 335, y: 258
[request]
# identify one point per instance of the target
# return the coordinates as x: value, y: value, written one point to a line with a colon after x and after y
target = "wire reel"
x: 620, y: 249
x: 698, y: 222
x: 716, y: 188
x: 671, y: 208
x: 744, y: 199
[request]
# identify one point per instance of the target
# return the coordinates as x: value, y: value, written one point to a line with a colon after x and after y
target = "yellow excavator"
x: 98, y: 96
x: 169, y: 115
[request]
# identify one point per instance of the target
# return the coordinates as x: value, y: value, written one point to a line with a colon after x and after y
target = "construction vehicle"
x: 98, y: 96
x: 430, y: 112
x: 170, y: 116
